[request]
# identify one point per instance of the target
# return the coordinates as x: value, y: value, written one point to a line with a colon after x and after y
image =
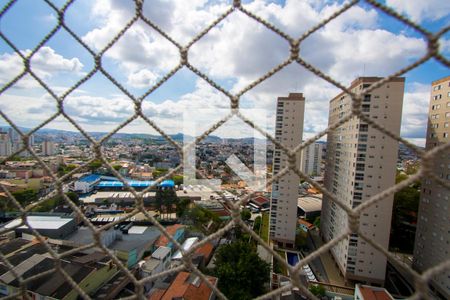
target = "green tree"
x: 167, y: 198
x: 94, y: 165
x: 317, y: 290
x: 242, y: 274
x: 257, y: 224
x: 159, y: 172
x: 182, y: 206
x: 177, y: 179
x: 404, y: 218
x: 246, y: 214
x: 317, y: 222
x: 25, y: 197
x: 400, y: 177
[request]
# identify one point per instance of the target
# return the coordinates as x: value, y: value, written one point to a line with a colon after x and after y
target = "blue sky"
x: 363, y: 41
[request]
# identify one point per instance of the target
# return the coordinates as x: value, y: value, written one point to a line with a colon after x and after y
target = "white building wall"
x: 361, y: 162
x: 288, y: 131
x: 433, y: 224
x: 311, y: 159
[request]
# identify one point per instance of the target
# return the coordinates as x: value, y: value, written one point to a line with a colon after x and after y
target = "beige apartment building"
x: 311, y: 162
x: 283, y: 204
x: 432, y: 243
x: 361, y: 163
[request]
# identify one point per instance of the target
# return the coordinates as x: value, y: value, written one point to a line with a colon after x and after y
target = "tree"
x: 25, y: 197
x: 257, y: 224
x: 246, y: 214
x: 242, y: 274
x: 177, y: 179
x: 94, y: 165
x: 317, y: 290
x: 404, y: 218
x: 317, y: 222
x: 400, y: 177
x: 166, y: 197
x: 183, y: 204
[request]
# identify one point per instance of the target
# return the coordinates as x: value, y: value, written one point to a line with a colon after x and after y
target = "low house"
x: 157, y: 263
x: 29, y: 258
x: 187, y: 286
x: 177, y: 231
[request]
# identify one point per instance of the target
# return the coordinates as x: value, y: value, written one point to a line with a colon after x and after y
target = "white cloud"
x: 420, y: 10
x: 46, y: 63
x: 415, y: 111
x: 142, y: 79
x: 239, y: 50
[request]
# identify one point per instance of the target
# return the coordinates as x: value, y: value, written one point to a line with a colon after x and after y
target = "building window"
x: 363, y: 127
x: 447, y: 114
x: 446, y: 134
x: 437, y: 88
x: 434, y: 117
x: 434, y: 107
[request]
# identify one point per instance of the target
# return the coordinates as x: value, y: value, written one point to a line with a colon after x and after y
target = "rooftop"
x: 373, y: 293
x: 310, y: 203
x: 186, y: 286
x: 90, y: 178
x: 161, y: 252
x: 41, y: 222
x: 188, y: 243
x: 134, y: 183
x: 163, y: 240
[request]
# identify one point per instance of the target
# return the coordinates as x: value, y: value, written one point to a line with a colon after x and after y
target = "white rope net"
x: 294, y: 57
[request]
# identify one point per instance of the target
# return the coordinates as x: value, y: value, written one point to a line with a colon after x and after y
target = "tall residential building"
x: 312, y: 159
x: 433, y: 225
x: 283, y: 208
x: 5, y: 144
x: 361, y: 163
x: 48, y: 148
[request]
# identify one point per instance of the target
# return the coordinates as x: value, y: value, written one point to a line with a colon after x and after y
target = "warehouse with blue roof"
x: 88, y: 183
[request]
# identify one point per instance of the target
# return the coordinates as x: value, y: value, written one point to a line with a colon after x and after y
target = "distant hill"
x: 59, y: 135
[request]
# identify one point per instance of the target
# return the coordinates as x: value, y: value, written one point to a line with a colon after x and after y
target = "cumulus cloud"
x: 46, y: 63
x: 239, y: 50
x: 142, y: 79
x: 419, y: 10
x: 415, y: 111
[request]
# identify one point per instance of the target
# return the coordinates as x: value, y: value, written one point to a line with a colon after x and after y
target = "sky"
x: 361, y: 42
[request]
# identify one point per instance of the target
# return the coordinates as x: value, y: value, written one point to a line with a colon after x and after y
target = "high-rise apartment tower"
x: 312, y: 159
x: 283, y: 207
x: 432, y: 243
x: 361, y: 163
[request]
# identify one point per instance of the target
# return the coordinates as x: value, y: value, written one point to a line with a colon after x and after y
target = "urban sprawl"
x: 92, y: 211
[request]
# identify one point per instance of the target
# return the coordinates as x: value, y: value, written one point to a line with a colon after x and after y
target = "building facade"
x: 312, y: 159
x: 48, y: 148
x: 361, y: 163
x: 5, y: 144
x: 433, y: 224
x: 283, y: 204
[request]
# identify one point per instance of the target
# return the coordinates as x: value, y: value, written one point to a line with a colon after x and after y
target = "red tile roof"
x: 163, y: 240
x: 187, y: 287
x: 374, y: 294
x: 157, y: 294
x: 205, y: 250
x: 260, y: 200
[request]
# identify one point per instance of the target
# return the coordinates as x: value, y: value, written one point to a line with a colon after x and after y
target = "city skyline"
x: 362, y: 27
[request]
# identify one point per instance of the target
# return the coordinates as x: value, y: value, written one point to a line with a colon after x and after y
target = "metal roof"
x: 41, y: 222
x: 135, y: 183
x: 186, y: 246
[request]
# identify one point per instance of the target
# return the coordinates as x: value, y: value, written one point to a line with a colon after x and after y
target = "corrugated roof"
x: 188, y: 243
x: 41, y: 222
